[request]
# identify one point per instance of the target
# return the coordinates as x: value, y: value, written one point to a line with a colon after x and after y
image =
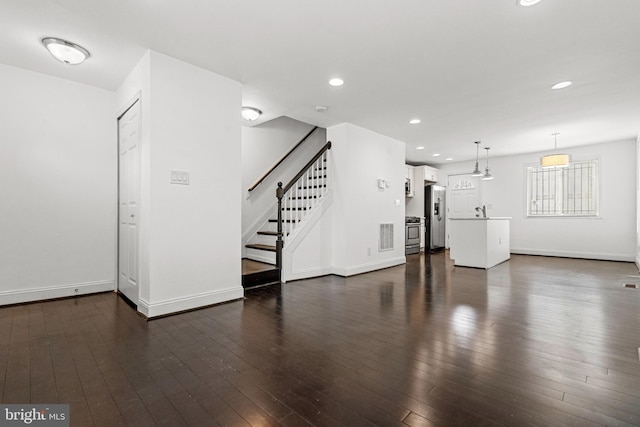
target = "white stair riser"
x: 261, y: 256
x: 264, y: 240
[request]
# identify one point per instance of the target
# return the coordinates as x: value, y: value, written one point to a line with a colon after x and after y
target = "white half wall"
x: 360, y: 158
x: 58, y: 169
x: 611, y: 236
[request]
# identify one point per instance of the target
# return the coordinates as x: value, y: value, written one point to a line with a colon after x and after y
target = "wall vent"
x: 385, y: 241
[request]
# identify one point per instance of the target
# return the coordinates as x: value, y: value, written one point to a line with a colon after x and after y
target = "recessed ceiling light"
x: 420, y: 148
x: 414, y: 121
x: 65, y: 51
x: 561, y: 85
x: 250, y: 114
x: 436, y: 155
x: 449, y: 158
x: 527, y: 3
x: 336, y: 82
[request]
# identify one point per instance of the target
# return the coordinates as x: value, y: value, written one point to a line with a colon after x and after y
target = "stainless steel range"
x: 412, y: 235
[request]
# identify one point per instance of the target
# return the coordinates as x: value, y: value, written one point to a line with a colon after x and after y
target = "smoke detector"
x: 321, y: 108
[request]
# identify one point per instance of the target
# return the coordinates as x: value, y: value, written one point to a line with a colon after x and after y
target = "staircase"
x: 295, y: 202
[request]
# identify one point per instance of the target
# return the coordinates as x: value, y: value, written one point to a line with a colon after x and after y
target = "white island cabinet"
x: 479, y: 242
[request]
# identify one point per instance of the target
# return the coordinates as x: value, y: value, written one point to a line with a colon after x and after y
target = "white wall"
x: 638, y: 202
x: 192, y: 237
x: 262, y: 146
x: 58, y: 174
x: 611, y: 236
x: 359, y: 158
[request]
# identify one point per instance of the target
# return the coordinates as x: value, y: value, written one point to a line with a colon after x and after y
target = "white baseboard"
x: 49, y: 292
x: 307, y: 273
x: 365, y: 268
x: 570, y: 254
x: 162, y: 308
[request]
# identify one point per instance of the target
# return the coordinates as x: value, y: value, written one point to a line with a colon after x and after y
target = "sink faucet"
x: 482, y: 209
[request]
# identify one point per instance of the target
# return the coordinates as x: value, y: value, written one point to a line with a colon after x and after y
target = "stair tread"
x: 268, y: 233
x: 270, y: 248
x: 286, y: 220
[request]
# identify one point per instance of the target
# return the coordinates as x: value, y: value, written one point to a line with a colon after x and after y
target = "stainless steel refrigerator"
x: 435, y: 217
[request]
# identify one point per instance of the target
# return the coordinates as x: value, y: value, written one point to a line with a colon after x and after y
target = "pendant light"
x: 555, y: 160
x: 487, y: 175
x: 476, y: 171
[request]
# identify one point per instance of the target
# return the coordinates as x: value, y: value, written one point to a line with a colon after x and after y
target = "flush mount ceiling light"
x: 65, y: 51
x: 449, y: 159
x: 435, y: 155
x: 487, y: 175
x: 476, y: 171
x: 414, y: 121
x: 335, y: 82
x: 250, y: 114
x: 420, y: 148
x: 555, y: 160
x: 527, y: 3
x: 561, y: 85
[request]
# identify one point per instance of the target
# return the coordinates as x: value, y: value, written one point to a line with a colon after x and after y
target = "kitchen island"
x: 479, y: 242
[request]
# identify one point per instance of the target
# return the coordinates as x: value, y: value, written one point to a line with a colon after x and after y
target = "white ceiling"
x: 469, y: 69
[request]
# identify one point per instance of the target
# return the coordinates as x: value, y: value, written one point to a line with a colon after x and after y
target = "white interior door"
x: 129, y: 168
x: 464, y: 195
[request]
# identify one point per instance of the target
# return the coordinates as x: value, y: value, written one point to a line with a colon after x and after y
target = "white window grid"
x: 568, y: 191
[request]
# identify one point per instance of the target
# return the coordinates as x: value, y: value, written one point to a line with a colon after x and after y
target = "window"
x: 569, y: 191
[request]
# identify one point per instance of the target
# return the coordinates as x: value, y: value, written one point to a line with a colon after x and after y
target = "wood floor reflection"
x: 535, y: 341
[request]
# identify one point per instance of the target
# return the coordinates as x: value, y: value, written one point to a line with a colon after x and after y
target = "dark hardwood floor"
x: 535, y: 341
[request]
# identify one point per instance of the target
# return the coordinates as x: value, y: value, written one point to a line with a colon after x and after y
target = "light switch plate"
x: 179, y: 177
